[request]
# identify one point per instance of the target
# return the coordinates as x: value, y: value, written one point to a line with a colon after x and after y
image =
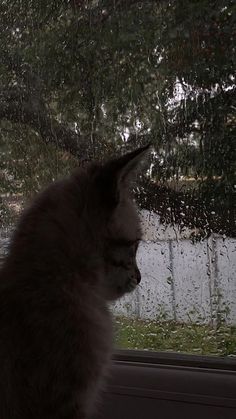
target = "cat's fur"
x: 73, y: 250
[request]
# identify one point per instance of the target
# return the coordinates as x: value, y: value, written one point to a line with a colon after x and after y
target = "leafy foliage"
x: 93, y: 77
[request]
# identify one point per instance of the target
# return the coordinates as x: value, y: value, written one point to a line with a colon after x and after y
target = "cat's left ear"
x: 117, y: 174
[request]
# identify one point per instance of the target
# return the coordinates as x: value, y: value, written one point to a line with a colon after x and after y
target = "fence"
x: 184, y: 282
x: 181, y: 281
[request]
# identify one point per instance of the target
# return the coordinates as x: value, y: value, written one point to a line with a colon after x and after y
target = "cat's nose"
x: 138, y: 275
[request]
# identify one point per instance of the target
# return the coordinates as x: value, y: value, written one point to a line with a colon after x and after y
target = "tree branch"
x: 225, y: 101
x: 187, y: 209
x: 18, y: 107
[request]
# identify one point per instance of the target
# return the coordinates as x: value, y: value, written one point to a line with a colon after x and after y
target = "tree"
x: 81, y: 76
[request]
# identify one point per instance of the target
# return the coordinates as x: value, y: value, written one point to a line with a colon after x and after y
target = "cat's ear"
x: 124, y: 168
x: 117, y: 174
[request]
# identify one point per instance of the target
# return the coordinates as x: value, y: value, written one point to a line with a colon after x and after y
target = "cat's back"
x: 54, y: 342
x: 55, y: 329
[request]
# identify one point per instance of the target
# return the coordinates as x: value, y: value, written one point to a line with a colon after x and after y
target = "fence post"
x: 172, y: 283
x: 213, y: 281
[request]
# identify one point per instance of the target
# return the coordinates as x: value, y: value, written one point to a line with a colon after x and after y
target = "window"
x: 85, y: 79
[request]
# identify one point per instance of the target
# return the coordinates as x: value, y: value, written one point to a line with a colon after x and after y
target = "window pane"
x: 84, y: 80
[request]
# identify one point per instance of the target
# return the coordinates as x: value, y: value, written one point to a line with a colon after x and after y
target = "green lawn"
x: 171, y: 336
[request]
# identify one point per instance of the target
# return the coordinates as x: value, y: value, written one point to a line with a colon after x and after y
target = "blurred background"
x: 82, y: 80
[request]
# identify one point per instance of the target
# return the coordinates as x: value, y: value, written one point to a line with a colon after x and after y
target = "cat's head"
x: 120, y: 227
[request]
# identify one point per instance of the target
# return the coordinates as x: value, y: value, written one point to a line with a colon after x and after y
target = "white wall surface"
x: 181, y: 281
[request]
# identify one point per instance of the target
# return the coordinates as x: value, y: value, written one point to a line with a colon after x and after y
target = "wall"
x: 181, y: 281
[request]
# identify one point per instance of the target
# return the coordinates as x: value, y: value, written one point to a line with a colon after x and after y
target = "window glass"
x: 83, y: 80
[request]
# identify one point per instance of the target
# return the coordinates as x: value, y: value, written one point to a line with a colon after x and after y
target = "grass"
x: 175, y: 337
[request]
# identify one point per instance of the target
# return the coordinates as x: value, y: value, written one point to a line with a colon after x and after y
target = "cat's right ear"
x: 116, y: 175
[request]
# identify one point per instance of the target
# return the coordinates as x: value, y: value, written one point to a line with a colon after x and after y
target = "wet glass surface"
x: 82, y: 80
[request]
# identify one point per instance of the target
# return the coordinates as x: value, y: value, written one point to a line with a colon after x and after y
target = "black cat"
x: 73, y: 250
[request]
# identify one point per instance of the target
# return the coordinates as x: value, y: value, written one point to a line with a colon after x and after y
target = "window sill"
x: 146, y: 385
